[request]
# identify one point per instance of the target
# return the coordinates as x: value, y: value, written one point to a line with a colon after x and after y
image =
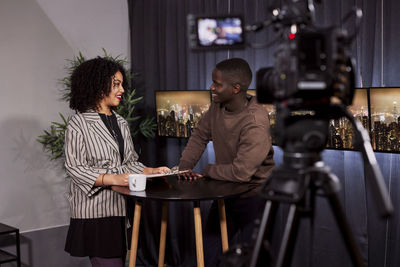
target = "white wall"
x: 35, y: 39
x: 90, y: 25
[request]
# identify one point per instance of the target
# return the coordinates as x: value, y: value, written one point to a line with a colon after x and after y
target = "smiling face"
x: 114, y: 97
x: 222, y: 89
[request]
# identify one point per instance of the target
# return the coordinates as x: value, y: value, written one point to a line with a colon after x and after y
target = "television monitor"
x: 385, y: 119
x: 215, y: 32
x: 178, y: 112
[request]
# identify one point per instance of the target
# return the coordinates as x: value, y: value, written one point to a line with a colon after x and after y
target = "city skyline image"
x: 341, y: 132
x: 385, y: 120
x: 178, y: 112
x: 378, y: 110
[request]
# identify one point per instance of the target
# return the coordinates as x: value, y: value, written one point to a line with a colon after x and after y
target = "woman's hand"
x: 161, y: 169
x: 158, y: 170
x: 121, y: 179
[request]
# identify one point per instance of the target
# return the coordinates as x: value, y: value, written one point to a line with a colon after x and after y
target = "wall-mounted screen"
x: 376, y: 108
x: 215, y: 31
x: 178, y: 112
x: 385, y: 120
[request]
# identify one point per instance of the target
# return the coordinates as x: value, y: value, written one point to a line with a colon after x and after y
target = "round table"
x: 170, y: 188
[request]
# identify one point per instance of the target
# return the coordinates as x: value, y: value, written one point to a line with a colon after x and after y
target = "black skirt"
x: 102, y: 237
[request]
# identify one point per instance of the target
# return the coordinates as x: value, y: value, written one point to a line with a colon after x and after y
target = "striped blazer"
x: 91, y: 150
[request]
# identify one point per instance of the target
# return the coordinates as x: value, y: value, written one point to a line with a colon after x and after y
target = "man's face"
x: 221, y: 89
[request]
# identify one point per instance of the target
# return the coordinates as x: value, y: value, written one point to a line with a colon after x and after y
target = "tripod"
x: 300, y: 193
x: 303, y: 175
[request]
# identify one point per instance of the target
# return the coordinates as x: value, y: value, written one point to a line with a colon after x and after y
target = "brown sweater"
x: 241, y: 140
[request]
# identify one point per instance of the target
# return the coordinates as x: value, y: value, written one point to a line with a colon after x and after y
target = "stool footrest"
x: 6, y: 256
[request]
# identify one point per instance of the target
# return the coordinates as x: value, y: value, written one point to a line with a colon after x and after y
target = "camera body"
x: 311, y: 66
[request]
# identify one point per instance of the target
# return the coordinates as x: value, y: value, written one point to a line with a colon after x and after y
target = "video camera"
x: 311, y: 64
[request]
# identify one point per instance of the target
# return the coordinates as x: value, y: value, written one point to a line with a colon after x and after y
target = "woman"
x: 99, y: 153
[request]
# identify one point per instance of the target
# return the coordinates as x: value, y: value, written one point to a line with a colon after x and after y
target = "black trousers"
x: 241, y: 214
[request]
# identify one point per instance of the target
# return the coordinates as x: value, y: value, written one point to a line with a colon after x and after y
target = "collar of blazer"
x: 96, y: 125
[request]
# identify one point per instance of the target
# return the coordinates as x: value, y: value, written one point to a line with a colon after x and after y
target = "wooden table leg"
x: 222, y: 222
x: 135, y: 233
x: 163, y: 234
x: 198, y: 234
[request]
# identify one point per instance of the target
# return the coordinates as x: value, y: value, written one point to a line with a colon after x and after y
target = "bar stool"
x: 5, y: 256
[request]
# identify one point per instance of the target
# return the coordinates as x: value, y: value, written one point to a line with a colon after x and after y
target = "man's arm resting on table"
x: 253, y: 149
x: 197, y: 144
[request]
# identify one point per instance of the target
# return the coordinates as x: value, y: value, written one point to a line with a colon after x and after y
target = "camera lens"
x: 266, y: 85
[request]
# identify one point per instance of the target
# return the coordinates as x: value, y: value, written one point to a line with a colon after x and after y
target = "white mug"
x: 137, y: 182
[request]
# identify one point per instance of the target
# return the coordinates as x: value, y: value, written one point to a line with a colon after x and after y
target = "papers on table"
x: 164, y: 174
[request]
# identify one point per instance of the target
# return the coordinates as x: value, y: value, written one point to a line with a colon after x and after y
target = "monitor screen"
x: 178, y: 112
x: 210, y: 32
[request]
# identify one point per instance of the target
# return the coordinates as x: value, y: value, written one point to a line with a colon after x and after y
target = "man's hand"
x: 189, y: 175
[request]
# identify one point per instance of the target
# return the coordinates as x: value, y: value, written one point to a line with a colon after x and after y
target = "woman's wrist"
x: 106, y: 179
x: 148, y: 170
x: 102, y: 179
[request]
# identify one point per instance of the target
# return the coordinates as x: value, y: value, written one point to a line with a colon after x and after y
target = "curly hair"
x: 91, y: 81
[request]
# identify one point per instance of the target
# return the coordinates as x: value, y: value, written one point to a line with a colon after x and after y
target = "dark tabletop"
x: 172, y: 189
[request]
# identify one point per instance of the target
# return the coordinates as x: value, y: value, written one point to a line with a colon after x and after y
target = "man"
x: 239, y: 129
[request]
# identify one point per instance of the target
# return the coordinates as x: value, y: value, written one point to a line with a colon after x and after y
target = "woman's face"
x: 115, y: 96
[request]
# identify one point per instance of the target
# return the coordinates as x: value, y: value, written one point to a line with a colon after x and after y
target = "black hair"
x: 237, y: 70
x: 91, y: 81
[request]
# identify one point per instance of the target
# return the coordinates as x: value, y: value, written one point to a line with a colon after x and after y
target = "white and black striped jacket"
x: 91, y: 150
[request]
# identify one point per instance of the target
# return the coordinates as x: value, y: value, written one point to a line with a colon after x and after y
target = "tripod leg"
x: 265, y: 227
x: 345, y: 230
x: 288, y: 239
